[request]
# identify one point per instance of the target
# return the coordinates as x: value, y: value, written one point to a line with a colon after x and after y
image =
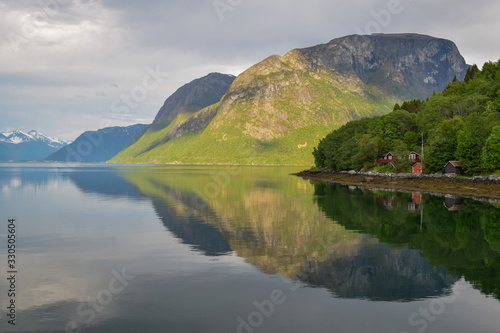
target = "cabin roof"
x: 456, y: 164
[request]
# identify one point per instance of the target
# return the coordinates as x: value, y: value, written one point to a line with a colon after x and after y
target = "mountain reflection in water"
x: 381, y: 246
x: 266, y: 223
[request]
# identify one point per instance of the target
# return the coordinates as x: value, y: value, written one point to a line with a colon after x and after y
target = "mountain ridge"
x: 196, y: 94
x: 183, y: 103
x: 97, y: 146
x: 371, y: 56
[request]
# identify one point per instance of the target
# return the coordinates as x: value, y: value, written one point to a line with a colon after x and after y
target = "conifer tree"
x: 491, y: 151
x: 467, y: 75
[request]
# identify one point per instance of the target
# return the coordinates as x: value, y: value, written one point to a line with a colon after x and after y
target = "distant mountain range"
x: 19, y: 136
x: 91, y: 146
x: 97, y: 146
x: 277, y: 111
x: 27, y: 146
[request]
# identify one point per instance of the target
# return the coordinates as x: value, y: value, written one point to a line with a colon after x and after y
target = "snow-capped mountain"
x: 19, y: 136
x: 19, y: 145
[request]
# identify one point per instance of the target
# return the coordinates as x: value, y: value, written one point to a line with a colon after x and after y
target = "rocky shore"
x: 485, y: 188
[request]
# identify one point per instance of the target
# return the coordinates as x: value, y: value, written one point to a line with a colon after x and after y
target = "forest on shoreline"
x: 462, y: 123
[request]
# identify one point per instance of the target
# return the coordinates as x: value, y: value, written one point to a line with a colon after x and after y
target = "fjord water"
x: 117, y: 248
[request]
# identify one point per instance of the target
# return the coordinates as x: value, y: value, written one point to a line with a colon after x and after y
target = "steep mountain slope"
x: 187, y: 100
x: 97, y: 146
x: 194, y: 96
x: 27, y: 146
x: 276, y: 111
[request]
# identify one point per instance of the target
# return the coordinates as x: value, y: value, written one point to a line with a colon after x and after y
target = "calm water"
x: 228, y: 249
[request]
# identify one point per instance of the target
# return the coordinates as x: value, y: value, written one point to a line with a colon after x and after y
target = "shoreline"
x: 480, y: 189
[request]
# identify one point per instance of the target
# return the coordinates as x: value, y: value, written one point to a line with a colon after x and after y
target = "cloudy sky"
x: 73, y: 65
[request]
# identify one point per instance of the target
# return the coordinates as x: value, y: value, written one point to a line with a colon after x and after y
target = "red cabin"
x: 414, y: 157
x: 418, y: 168
x: 386, y: 159
x: 390, y: 158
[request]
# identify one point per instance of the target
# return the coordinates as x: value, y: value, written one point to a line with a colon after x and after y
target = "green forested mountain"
x: 460, y: 123
x: 277, y: 111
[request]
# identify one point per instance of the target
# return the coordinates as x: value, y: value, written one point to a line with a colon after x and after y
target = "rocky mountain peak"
x: 404, y: 65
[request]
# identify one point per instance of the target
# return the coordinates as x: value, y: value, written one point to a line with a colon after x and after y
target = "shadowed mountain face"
x: 277, y: 110
x: 182, y: 104
x: 97, y: 146
x: 404, y: 65
x: 193, y: 97
x: 25, y: 151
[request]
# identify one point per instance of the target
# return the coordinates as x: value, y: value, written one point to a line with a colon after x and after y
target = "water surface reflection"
x: 200, y: 259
